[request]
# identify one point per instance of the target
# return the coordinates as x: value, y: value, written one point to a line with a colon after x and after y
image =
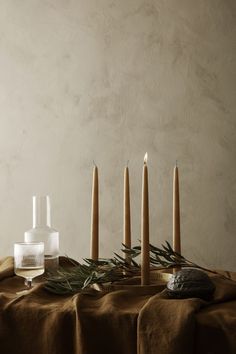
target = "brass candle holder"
x: 158, y: 281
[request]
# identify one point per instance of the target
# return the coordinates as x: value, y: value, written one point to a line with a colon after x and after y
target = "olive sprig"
x: 79, y: 277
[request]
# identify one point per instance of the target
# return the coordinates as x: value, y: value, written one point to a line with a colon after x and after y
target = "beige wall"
x: 109, y: 80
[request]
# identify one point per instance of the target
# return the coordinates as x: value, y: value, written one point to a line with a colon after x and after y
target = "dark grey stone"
x: 190, y: 282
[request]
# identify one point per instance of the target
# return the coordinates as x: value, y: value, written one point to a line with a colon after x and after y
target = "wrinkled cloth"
x: 190, y: 326
x: 118, y: 322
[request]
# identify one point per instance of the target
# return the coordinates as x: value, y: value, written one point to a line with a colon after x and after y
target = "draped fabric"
x: 118, y: 322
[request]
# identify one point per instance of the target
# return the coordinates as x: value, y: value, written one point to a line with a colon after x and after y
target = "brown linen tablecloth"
x: 119, y: 322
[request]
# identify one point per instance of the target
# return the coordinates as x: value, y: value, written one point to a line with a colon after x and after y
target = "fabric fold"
x: 171, y: 326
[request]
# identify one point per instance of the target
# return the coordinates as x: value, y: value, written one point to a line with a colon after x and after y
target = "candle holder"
x: 158, y: 281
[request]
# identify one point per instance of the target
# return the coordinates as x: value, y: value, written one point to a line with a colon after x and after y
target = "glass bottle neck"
x: 41, y: 211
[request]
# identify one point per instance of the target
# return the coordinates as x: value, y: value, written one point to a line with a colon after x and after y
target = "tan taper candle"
x: 94, y: 251
x: 176, y: 212
x: 126, y: 218
x: 145, y: 260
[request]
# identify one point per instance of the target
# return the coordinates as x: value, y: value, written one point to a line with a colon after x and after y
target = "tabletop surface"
x: 117, y: 322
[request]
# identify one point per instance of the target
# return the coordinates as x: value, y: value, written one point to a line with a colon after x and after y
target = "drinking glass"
x: 29, y: 260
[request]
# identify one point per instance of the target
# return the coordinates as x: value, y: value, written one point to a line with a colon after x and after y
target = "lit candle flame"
x: 145, y: 158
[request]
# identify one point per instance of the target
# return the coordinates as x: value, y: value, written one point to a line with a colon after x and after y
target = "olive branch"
x: 78, y: 277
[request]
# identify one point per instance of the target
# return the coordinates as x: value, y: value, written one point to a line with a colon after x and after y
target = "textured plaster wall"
x: 107, y: 81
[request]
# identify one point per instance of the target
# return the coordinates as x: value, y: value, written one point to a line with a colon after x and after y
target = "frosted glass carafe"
x: 43, y: 232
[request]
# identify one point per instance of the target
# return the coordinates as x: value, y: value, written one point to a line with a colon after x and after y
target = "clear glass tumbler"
x: 29, y: 260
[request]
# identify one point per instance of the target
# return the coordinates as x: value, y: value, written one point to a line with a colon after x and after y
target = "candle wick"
x: 94, y: 163
x: 176, y: 163
x: 127, y: 163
